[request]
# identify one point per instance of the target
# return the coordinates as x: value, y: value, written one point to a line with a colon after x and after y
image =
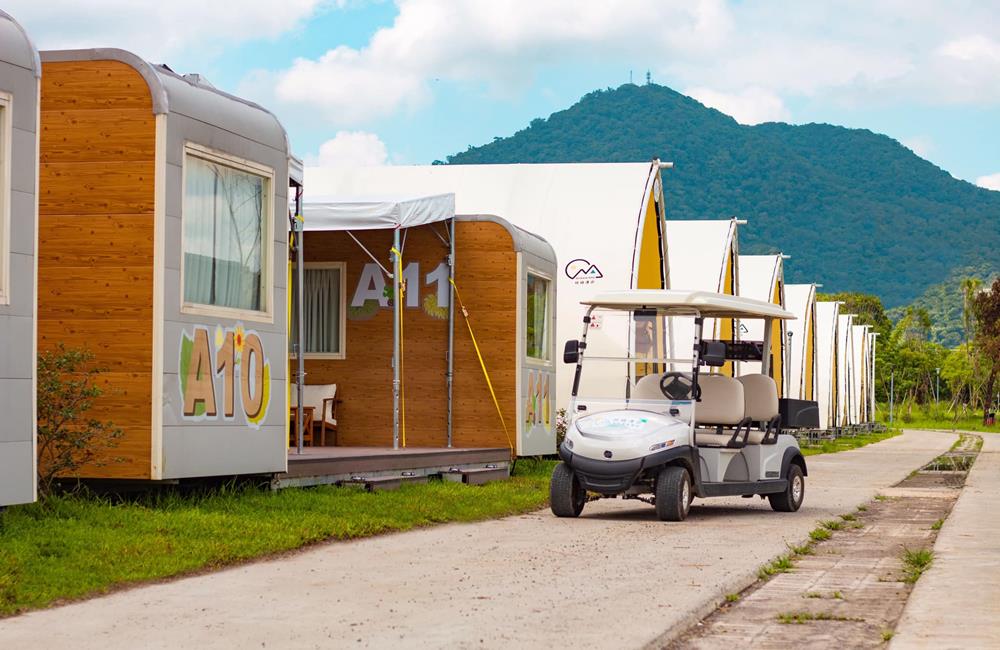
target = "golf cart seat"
x: 760, y: 393
x: 721, y: 409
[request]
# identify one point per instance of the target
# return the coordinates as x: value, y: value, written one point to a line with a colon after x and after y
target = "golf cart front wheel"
x: 791, y: 498
x: 673, y: 493
x: 566, y: 496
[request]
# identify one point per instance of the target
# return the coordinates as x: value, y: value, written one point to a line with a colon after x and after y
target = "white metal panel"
x: 375, y: 212
x: 859, y: 334
x: 845, y: 369
x: 591, y: 213
x: 760, y: 275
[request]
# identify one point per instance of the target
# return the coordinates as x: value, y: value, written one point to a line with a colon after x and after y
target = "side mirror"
x: 571, y: 353
x: 713, y: 353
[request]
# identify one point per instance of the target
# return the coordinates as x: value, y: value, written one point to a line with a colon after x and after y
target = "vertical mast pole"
x: 396, y: 313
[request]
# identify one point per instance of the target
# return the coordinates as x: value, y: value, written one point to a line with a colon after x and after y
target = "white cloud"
x: 748, y: 106
x: 156, y: 29
x: 499, y: 42
x: 920, y: 145
x: 990, y: 181
x: 351, y: 149
x: 976, y: 48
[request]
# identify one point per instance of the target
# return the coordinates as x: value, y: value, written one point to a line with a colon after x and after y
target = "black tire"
x: 792, y: 497
x: 566, y: 496
x: 673, y: 493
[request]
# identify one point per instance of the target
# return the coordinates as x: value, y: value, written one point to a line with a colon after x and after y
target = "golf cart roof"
x: 679, y: 302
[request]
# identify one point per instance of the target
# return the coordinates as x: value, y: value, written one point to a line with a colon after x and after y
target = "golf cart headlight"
x: 568, y: 442
x: 661, y: 445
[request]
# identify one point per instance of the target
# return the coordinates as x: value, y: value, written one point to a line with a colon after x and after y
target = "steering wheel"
x: 678, y: 386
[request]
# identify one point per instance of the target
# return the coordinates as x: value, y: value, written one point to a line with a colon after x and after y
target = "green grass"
x: 732, y: 598
x: 800, y: 618
x: 915, y: 563
x: 74, y: 546
x: 819, y: 534
x: 937, y: 524
x: 845, y: 443
x: 781, y: 564
x: 833, y: 524
x: 929, y: 416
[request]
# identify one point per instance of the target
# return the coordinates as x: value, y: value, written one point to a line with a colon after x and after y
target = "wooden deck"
x: 327, y: 465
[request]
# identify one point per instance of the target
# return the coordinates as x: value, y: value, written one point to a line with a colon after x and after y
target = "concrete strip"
x: 956, y: 603
x: 614, y: 578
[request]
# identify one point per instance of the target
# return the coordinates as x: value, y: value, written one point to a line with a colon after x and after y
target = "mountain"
x: 943, y: 303
x: 856, y: 210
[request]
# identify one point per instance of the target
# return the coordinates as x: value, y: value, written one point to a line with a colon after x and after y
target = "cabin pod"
x: 605, y: 222
x: 19, y: 74
x: 845, y: 370
x: 762, y: 277
x: 801, y: 300
x: 162, y: 245
x: 500, y: 312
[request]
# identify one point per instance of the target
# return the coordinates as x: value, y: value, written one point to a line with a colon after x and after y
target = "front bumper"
x: 611, y: 477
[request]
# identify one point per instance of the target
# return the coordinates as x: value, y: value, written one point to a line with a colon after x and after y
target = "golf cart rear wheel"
x: 673, y: 493
x: 791, y: 498
x: 566, y: 496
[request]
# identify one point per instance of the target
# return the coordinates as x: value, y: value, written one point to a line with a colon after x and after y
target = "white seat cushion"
x: 313, y: 395
x: 722, y: 401
x: 648, y: 387
x: 709, y: 438
x: 760, y: 394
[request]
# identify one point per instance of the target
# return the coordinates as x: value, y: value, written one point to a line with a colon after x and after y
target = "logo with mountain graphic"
x: 580, y: 271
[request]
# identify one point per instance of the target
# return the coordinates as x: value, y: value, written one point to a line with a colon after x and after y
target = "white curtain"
x: 538, y: 295
x: 322, y: 308
x: 223, y: 230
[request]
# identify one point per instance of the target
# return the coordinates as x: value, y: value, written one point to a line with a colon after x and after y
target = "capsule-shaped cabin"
x: 472, y: 332
x: 845, y: 370
x: 163, y: 245
x: 801, y: 300
x: 19, y: 74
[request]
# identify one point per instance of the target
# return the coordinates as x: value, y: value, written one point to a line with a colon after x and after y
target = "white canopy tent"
x: 827, y: 361
x: 872, y: 341
x: 595, y: 216
x: 762, y: 277
x: 860, y: 376
x: 370, y: 213
x: 702, y: 256
x: 800, y: 299
x: 845, y: 369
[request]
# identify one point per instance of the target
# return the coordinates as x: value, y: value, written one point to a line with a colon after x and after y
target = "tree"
x: 970, y: 286
x: 986, y: 306
x: 67, y: 440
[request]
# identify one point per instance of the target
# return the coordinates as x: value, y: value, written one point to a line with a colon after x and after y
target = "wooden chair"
x: 323, y: 399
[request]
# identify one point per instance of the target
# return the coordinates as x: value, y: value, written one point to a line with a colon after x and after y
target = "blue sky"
x: 407, y: 82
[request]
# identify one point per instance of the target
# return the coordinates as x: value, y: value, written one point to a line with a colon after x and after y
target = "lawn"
x: 930, y: 416
x: 71, y: 547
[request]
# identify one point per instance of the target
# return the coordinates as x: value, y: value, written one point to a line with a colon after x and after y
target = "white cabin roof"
x: 376, y: 212
x: 680, y: 302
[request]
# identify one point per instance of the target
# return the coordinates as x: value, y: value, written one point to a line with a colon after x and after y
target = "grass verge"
x: 74, y: 546
x: 845, y: 443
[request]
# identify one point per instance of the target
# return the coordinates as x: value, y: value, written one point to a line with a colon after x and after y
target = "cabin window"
x: 324, y: 303
x: 227, y: 235
x: 537, y: 330
x: 5, y: 166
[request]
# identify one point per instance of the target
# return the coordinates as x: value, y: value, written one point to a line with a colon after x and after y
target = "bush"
x: 67, y: 440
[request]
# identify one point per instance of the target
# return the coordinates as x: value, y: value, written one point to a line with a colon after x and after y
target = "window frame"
x: 6, y: 193
x: 547, y: 359
x: 265, y: 315
x: 342, y: 354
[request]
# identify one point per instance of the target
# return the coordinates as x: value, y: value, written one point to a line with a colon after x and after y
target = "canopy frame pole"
x: 450, y: 375
x: 300, y: 334
x: 765, y: 360
x: 369, y: 253
x: 397, y: 313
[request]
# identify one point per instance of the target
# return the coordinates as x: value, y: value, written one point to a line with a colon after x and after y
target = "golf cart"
x: 669, y: 427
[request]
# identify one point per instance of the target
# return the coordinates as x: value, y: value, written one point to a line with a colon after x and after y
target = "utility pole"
x: 937, y: 387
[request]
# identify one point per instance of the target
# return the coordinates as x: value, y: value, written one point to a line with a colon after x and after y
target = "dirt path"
x: 614, y: 578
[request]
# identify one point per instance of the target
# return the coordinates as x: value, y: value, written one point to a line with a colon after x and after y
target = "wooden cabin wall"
x: 486, y: 277
x: 95, y: 266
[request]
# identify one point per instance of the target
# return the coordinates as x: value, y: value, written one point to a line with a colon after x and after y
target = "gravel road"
x: 615, y: 578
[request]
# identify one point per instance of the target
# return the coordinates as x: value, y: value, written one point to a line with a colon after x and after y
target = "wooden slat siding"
x: 86, y: 135
x: 486, y: 274
x: 95, y: 262
x: 365, y: 376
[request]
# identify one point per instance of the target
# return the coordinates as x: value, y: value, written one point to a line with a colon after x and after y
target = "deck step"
x: 382, y: 483
x: 484, y: 475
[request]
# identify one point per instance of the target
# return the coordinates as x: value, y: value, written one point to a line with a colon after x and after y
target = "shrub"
x: 67, y: 439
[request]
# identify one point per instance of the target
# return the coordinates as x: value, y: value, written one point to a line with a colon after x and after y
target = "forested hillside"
x: 856, y: 210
